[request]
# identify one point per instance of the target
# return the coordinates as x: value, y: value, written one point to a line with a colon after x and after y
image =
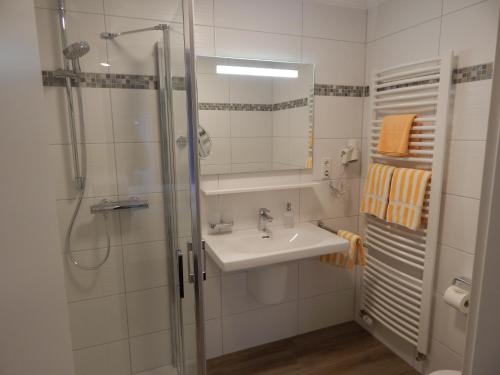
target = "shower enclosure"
x: 119, y: 82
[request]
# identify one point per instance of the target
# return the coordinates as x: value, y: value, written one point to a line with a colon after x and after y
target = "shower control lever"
x: 125, y: 204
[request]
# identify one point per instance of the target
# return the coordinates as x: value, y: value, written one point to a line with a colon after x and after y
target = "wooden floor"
x: 346, y: 349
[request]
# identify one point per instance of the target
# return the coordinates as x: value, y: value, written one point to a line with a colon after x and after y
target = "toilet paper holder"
x: 462, y: 280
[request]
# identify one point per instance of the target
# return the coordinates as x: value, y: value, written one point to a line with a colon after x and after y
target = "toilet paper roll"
x: 458, y: 298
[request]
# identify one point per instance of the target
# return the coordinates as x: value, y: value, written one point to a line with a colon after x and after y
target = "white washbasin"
x: 251, y: 248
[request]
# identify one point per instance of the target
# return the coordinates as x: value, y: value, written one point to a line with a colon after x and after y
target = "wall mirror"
x: 258, y: 114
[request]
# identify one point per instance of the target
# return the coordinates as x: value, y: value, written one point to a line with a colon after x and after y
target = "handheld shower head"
x: 76, y: 50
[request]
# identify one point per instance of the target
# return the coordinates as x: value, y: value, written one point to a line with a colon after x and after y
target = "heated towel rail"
x: 397, y: 281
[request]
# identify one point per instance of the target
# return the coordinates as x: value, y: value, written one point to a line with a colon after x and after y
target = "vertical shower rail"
x: 397, y: 283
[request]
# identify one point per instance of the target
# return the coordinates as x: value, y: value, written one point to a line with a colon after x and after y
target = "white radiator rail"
x: 399, y: 275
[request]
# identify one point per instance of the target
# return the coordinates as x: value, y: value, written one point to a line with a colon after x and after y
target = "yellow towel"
x: 354, y: 256
x: 407, y: 197
x: 395, y: 134
x: 376, y: 190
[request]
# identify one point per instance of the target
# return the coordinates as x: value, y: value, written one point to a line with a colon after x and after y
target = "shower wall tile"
x: 98, y: 121
x: 478, y: 45
x: 257, y: 45
x: 88, y: 6
x: 98, y: 321
x: 280, y: 16
x: 341, y: 23
x: 386, y: 18
x: 337, y: 117
x: 347, y: 58
x: 325, y: 310
x: 89, y: 230
x: 107, y: 359
x: 145, y: 265
x: 101, y: 177
x: 258, y: 327
x: 148, y: 311
x: 136, y: 115
x: 150, y: 351
x: 84, y: 284
x: 144, y: 225
x: 134, y: 53
x: 84, y: 26
x: 138, y: 168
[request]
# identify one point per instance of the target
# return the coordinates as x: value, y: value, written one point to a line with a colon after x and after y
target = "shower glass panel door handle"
x: 176, y: 194
x: 191, y: 276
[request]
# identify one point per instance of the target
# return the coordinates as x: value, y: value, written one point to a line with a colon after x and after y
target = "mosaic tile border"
x: 110, y: 80
x: 466, y: 74
x: 339, y: 90
x: 473, y: 73
x: 303, y: 102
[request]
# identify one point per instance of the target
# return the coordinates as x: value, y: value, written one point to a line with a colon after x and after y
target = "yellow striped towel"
x: 407, y: 197
x: 376, y: 190
x: 355, y: 255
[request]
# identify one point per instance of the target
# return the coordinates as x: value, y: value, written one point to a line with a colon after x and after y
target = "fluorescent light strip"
x: 252, y: 71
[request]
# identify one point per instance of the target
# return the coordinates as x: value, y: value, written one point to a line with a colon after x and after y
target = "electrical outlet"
x: 326, y: 168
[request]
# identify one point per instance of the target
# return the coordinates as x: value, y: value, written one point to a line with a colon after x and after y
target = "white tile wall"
x: 98, y: 321
x: 392, y: 16
x: 280, y: 16
x: 422, y: 30
x: 107, y: 359
x: 325, y: 310
x: 256, y: 327
x: 335, y: 61
x: 476, y: 44
x: 257, y: 45
x: 331, y: 22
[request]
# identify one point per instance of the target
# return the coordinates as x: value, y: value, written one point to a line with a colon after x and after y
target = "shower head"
x: 76, y: 50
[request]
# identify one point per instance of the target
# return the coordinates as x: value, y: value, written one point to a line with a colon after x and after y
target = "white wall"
x: 401, y: 31
x: 33, y: 319
x: 318, y: 295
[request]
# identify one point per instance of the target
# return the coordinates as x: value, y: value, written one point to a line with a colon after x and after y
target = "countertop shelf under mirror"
x: 236, y: 190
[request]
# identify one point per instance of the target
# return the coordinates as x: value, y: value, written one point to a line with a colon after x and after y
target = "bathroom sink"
x: 251, y: 248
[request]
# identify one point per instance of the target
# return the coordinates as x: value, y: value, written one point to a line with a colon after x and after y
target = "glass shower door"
x: 135, y: 291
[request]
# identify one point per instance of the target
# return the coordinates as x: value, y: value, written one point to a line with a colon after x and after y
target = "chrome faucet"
x: 264, y: 218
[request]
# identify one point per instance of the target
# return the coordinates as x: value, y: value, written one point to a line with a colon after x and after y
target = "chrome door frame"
x: 167, y: 143
x: 194, y: 181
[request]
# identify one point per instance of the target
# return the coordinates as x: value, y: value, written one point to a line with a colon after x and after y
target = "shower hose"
x: 81, y: 184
